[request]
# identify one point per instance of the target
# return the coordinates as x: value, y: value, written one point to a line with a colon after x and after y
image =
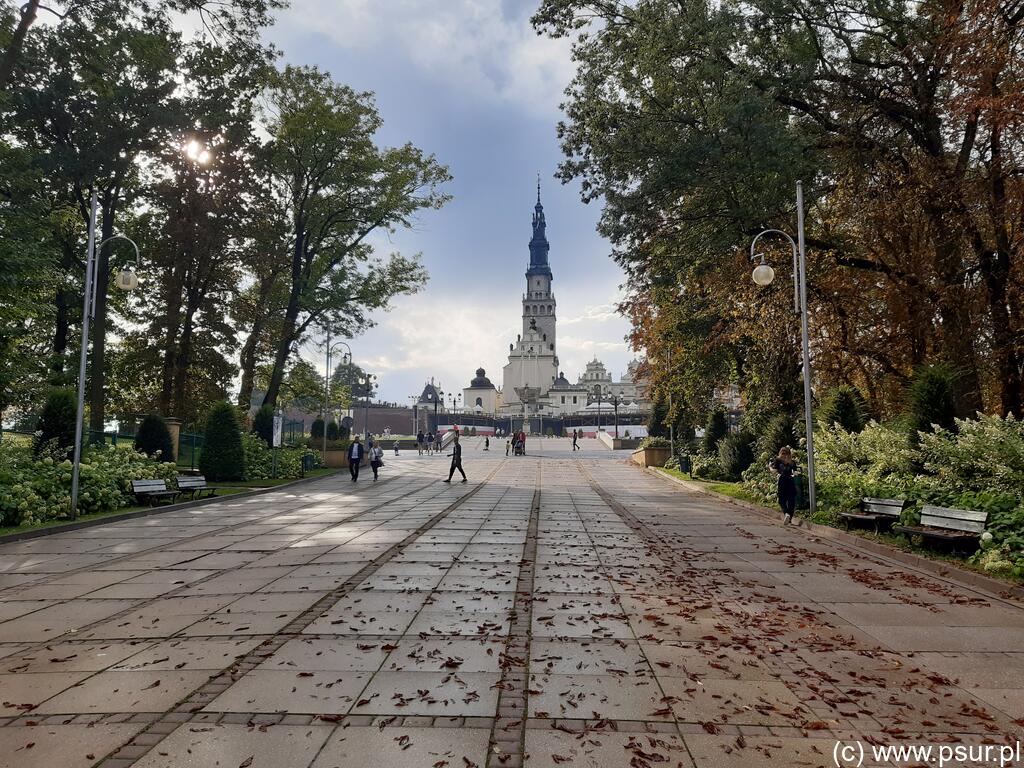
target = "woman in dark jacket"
x: 784, y: 465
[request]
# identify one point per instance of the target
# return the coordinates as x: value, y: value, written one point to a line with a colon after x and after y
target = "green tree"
x: 222, y: 457
x: 335, y: 188
x: 931, y: 398
x: 316, y: 430
x: 715, y: 430
x: 332, y: 430
x: 845, y: 407
x: 153, y: 436
x: 56, y: 426
x: 263, y: 424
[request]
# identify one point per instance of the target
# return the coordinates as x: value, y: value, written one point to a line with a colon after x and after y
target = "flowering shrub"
x: 259, y: 459
x: 34, y: 490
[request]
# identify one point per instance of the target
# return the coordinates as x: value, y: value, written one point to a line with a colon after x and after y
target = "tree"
x: 263, y: 424
x: 222, y: 457
x: 692, y: 122
x: 153, y: 436
x: 335, y: 187
x: 845, y: 408
x: 56, y: 425
x: 717, y: 428
x: 332, y: 430
x: 316, y: 430
x: 931, y: 398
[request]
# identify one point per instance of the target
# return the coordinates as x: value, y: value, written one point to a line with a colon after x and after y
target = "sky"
x: 471, y: 82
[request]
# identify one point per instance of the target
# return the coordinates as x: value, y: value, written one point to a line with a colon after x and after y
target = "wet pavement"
x: 559, y: 608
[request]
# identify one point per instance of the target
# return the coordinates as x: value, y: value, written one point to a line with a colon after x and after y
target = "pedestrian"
x: 396, y: 447
x: 376, y: 458
x: 456, y: 455
x: 522, y: 441
x: 784, y: 465
x: 508, y: 445
x: 437, y: 441
x: 430, y: 443
x: 355, y: 456
x: 487, y: 443
x: 575, y: 438
x: 419, y: 441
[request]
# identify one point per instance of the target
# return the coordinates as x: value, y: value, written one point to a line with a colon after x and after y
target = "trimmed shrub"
x: 316, y: 431
x: 716, y: 429
x: 655, y: 441
x: 222, y: 457
x: 472, y: 432
x: 779, y: 432
x: 931, y: 398
x: 154, y: 438
x: 56, y: 426
x: 844, y: 407
x: 736, y: 453
x: 263, y: 424
x: 333, y: 432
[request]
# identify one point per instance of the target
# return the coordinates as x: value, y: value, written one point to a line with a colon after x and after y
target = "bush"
x: 333, y: 433
x: 263, y: 424
x: 706, y: 466
x: 844, y: 407
x: 222, y: 457
x: 38, y: 488
x: 472, y: 432
x: 317, y: 428
x: 56, y: 426
x: 931, y: 398
x: 154, y: 439
x: 736, y: 454
x: 259, y: 460
x: 716, y: 429
x: 779, y: 432
x: 655, y: 441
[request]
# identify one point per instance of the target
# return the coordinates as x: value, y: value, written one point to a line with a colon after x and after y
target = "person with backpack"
x: 430, y: 443
x: 419, y: 441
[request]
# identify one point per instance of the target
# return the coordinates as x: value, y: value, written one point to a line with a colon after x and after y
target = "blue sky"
x: 470, y: 81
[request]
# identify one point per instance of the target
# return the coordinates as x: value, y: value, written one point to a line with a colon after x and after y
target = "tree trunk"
x: 171, y: 342
x: 13, y: 52
x: 247, y: 359
x: 97, y: 367
x: 183, y: 360
x: 62, y: 323
x: 284, y: 348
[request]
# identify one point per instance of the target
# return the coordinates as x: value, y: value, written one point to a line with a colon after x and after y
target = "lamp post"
x: 367, y: 381
x: 415, y: 414
x: 126, y: 280
x: 615, y: 400
x: 346, y: 358
x: 763, y: 276
x: 597, y: 393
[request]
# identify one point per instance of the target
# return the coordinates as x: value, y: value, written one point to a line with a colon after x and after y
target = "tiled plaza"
x: 559, y: 609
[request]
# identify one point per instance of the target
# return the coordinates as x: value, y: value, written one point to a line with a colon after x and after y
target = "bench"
x: 153, y: 490
x: 953, y: 527
x: 876, y: 511
x: 195, y: 484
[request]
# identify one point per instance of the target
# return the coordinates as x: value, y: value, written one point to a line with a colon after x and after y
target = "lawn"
x: 272, y: 482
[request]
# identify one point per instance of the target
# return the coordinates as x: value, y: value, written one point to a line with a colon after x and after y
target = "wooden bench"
x: 153, y: 490
x: 876, y: 511
x: 952, y: 527
x: 195, y: 485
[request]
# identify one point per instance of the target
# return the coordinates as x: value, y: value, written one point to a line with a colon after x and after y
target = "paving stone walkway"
x: 559, y: 609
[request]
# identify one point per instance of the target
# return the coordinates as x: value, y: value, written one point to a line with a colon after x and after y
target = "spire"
x: 539, y: 243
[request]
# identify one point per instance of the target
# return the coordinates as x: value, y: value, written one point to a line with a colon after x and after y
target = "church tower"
x: 538, y: 301
x: 533, y: 359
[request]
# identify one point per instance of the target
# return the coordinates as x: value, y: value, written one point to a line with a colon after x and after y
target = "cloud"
x: 594, y: 313
x: 483, y: 48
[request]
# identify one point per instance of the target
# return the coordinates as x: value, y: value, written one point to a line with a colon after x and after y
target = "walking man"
x: 430, y: 443
x: 437, y: 442
x: 456, y: 455
x: 575, y: 438
x: 355, y: 455
x: 419, y: 441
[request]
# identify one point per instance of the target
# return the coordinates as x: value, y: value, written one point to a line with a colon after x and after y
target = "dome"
x: 561, y: 382
x: 481, y: 381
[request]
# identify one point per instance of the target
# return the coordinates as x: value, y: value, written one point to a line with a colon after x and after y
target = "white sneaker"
x: 787, y: 520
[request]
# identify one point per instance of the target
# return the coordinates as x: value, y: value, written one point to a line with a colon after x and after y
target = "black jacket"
x: 456, y: 453
x: 359, y: 452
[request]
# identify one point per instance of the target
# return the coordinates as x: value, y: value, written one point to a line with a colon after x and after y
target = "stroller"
x: 519, y: 449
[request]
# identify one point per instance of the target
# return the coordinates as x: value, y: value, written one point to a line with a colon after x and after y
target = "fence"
x: 189, y: 445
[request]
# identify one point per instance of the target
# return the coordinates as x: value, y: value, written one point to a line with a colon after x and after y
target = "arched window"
x: 480, y: 402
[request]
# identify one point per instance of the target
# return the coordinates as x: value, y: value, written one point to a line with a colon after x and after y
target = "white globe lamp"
x: 127, y: 280
x: 763, y: 274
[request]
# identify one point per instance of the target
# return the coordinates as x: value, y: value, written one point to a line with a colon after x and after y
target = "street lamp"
x: 615, y: 400
x: 763, y: 275
x: 126, y: 280
x: 345, y: 359
x: 597, y: 393
x: 367, y: 381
